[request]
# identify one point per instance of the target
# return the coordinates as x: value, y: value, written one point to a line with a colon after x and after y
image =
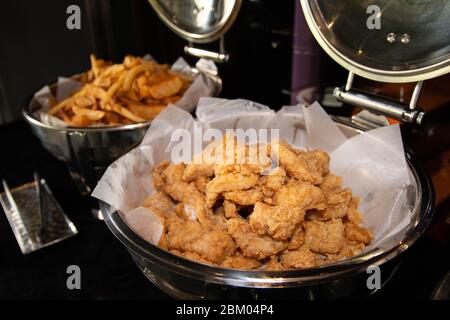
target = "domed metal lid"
x: 198, y: 21
x: 384, y: 40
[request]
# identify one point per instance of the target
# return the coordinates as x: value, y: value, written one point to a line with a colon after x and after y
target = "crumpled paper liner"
x: 372, y: 163
x: 201, y: 87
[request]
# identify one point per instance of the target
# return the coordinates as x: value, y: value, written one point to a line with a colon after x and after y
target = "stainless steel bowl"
x: 187, y: 279
x: 89, y: 151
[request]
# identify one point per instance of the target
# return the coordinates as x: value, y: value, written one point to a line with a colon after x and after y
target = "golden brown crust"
x: 236, y: 216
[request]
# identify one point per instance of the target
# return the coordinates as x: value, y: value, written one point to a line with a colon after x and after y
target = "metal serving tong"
x: 35, y: 216
x: 42, y: 213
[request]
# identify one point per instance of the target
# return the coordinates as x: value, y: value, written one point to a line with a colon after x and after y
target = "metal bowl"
x: 186, y: 279
x: 89, y: 151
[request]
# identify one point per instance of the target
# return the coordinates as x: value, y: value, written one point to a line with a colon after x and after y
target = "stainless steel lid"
x: 198, y: 21
x: 384, y: 40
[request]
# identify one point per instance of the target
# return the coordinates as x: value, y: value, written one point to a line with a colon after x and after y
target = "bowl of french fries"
x: 88, y: 120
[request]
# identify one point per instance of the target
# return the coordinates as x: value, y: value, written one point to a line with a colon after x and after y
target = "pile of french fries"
x: 135, y: 90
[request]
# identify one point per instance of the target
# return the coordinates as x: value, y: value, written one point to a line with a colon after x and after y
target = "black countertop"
x: 107, y: 270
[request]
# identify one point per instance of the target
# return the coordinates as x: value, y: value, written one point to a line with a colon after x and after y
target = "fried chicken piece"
x: 303, y: 195
x: 357, y: 234
x: 325, y: 237
x: 351, y: 250
x: 194, y: 171
x: 173, y: 173
x: 214, y: 245
x: 337, y: 206
x: 244, y: 197
x: 175, y: 251
x: 277, y: 221
x: 228, y: 182
x: 238, y: 261
x: 181, y: 233
x: 160, y: 201
x: 322, y: 259
x: 186, y: 211
x: 298, y: 238
x: 230, y: 209
x: 187, y: 193
x: 297, y: 259
x: 193, y: 200
x: 317, y: 161
x: 219, y: 221
x: 179, y: 210
x: 251, y: 244
x: 331, y: 183
x: 334, y: 212
x: 338, y: 197
x: 296, y: 165
x: 353, y: 215
x: 194, y: 256
x: 243, y: 169
x: 231, y: 156
x: 201, y: 182
x: 273, y: 181
x: 274, y: 264
x: 348, y: 250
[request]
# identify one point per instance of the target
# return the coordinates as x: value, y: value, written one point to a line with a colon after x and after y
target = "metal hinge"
x: 408, y: 113
x: 219, y: 57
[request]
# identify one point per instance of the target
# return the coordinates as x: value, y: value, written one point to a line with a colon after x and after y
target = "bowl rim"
x: 423, y: 212
x: 30, y: 102
x: 28, y: 116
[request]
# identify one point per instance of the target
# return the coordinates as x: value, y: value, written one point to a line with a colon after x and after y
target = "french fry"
x: 148, y: 112
x: 122, y: 111
x: 166, y: 88
x: 132, y: 74
x: 93, y: 115
x: 114, y: 88
x: 94, y: 65
x: 80, y: 121
x: 64, y: 103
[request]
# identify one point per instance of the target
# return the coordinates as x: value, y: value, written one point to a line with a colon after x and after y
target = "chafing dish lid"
x: 198, y: 21
x: 384, y: 40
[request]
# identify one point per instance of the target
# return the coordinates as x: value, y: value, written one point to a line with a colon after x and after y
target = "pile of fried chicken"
x: 251, y: 214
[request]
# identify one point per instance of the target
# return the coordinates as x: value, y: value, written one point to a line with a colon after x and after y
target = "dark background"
x: 36, y: 48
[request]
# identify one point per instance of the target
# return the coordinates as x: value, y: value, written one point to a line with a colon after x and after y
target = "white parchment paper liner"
x: 372, y: 163
x: 200, y: 87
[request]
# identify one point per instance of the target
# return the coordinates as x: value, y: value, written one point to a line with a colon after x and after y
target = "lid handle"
x: 408, y: 113
x: 219, y: 57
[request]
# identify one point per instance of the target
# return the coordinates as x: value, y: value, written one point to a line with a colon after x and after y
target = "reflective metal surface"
x: 89, y: 151
x: 403, y: 41
x: 198, y: 21
x: 22, y: 205
x: 187, y: 279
